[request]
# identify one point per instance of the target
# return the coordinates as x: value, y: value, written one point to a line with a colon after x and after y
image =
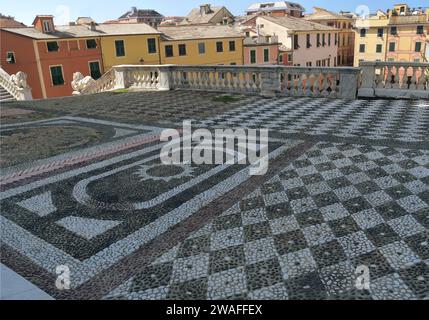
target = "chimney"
x: 92, y: 26
x: 133, y: 10
x: 205, y: 9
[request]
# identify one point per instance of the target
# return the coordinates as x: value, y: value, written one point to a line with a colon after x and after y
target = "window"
x: 232, y: 46
x: 151, y: 45
x: 308, y: 41
x: 281, y: 58
x: 91, y: 44
x: 318, y: 40
x: 362, y: 33
x: 379, y: 48
x: 120, y: 48
x: 289, y: 57
x: 380, y: 32
x: 219, y: 46
x: 46, y: 26
x: 94, y: 70
x: 252, y: 56
x: 308, y: 64
x: 362, y: 48
x: 57, y: 76
x: 392, y: 46
x: 201, y: 48
x: 247, y: 34
x: 419, y: 29
x: 393, y: 31
x: 323, y: 40
x: 295, y: 41
x: 182, y: 49
x: 418, y: 47
x: 329, y: 39
x: 266, y: 55
x: 10, y: 57
x: 169, y: 51
x: 52, y: 46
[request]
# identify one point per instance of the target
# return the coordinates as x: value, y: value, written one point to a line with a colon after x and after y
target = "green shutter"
x: 252, y: 56
x: 95, y: 70
x: 57, y: 76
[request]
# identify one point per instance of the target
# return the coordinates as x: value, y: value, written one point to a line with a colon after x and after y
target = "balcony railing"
x: 371, y: 79
x: 394, y: 80
x: 263, y: 80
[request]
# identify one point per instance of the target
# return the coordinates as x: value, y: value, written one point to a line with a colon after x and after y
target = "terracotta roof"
x: 325, y: 15
x: 195, y: 16
x: 9, y: 22
x: 199, y: 32
x: 297, y: 24
x: 80, y: 31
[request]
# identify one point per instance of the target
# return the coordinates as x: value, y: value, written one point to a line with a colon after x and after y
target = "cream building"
x: 310, y: 43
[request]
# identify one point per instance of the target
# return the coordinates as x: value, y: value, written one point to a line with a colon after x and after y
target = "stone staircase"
x: 5, y: 95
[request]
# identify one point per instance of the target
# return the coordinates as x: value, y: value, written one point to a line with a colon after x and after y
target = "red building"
x: 49, y: 55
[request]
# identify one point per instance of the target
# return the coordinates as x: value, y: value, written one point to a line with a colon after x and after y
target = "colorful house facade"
x: 307, y: 43
x: 201, y: 45
x: 261, y: 50
x: 50, y: 54
x: 397, y: 35
x: 346, y: 34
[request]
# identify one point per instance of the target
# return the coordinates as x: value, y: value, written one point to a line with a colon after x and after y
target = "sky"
x: 102, y: 10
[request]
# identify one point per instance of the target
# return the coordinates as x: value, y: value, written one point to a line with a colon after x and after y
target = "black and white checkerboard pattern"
x: 303, y: 234
x: 401, y: 120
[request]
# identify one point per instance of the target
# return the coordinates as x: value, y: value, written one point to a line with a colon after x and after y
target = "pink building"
x: 261, y: 50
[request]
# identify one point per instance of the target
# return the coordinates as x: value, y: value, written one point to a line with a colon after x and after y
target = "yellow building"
x: 129, y: 44
x: 345, y: 39
x: 201, y: 45
x: 371, y: 38
x: 398, y: 35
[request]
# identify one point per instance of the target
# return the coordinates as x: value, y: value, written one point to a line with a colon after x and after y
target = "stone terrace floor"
x: 348, y: 185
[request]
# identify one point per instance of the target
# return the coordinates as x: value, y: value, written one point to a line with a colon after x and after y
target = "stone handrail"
x: 129, y: 77
x: 15, y: 91
x: 394, y: 80
x: 264, y: 80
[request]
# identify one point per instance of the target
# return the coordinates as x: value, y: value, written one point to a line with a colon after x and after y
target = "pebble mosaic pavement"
x: 347, y: 185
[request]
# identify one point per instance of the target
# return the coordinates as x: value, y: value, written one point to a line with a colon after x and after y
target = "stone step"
x: 5, y: 95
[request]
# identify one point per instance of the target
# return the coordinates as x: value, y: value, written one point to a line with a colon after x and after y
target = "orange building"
x: 50, y: 55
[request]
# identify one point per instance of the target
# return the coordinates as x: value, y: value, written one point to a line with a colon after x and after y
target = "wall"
x: 273, y: 53
x: 211, y: 56
x: 405, y: 44
x: 274, y: 29
x: 25, y: 59
x: 370, y: 40
x: 136, y: 48
x: 302, y: 55
x: 74, y: 56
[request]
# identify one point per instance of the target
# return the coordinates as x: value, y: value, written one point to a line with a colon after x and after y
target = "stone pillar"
x: 368, y: 79
x: 349, y: 81
x: 165, y: 79
x: 24, y: 94
x: 270, y: 81
x: 120, y: 78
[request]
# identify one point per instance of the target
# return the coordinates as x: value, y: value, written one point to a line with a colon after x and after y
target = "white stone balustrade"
x: 16, y: 85
x: 394, y: 80
x: 267, y: 81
